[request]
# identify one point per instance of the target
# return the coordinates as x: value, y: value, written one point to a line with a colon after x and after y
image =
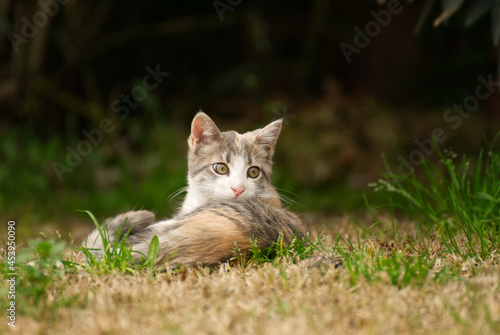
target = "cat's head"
x: 228, y: 165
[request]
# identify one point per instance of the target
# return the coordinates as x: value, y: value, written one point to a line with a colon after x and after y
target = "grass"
x: 405, y: 285
x: 118, y: 254
x: 370, y: 264
x: 454, y: 198
x: 298, y: 250
x: 437, y: 272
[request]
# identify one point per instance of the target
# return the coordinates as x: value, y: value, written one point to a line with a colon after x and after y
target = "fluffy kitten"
x: 229, y: 200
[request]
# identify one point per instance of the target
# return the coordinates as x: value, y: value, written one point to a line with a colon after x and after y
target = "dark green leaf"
x: 495, y: 22
x: 449, y: 8
x: 498, y: 76
x: 424, y: 16
x: 476, y: 10
x: 154, y: 247
x: 452, y: 5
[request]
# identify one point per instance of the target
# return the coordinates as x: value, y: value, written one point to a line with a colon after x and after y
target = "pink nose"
x: 238, y: 190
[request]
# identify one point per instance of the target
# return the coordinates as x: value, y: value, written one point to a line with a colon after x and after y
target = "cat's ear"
x: 203, y: 130
x: 268, y: 136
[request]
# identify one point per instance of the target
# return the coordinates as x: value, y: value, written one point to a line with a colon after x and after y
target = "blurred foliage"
x: 474, y: 10
x: 90, y: 52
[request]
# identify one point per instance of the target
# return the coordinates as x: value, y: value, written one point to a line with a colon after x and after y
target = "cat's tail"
x: 117, y: 227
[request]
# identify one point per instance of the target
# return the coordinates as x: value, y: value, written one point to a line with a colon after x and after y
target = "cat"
x: 229, y: 201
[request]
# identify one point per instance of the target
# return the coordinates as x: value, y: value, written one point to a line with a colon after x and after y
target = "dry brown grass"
x: 273, y: 299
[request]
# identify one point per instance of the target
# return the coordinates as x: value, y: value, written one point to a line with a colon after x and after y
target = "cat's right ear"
x: 203, y: 130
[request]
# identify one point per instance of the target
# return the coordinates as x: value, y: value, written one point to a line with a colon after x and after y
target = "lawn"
x: 359, y: 281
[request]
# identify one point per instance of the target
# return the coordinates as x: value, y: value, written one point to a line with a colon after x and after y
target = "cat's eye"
x: 253, y: 172
x: 221, y: 168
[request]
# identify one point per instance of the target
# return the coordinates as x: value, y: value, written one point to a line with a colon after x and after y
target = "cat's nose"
x: 238, y: 190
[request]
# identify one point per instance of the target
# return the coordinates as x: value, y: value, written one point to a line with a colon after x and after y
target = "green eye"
x: 221, y: 168
x: 253, y: 172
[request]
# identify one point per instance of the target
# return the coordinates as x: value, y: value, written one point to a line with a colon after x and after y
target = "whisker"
x: 177, y: 193
x: 289, y: 192
x: 288, y: 201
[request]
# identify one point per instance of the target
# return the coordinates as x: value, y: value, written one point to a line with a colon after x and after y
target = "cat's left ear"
x: 268, y: 136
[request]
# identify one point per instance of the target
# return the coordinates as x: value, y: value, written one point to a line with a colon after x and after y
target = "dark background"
x: 263, y: 61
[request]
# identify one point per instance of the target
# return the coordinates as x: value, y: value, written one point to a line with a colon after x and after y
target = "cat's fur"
x: 219, y: 211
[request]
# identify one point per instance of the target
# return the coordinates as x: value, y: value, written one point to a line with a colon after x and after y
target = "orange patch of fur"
x: 208, y: 238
